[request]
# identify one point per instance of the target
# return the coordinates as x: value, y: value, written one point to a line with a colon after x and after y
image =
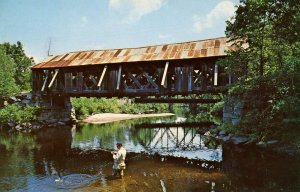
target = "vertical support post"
x: 216, y: 75
x: 164, y: 79
x: 79, y: 81
x: 102, y: 76
x: 34, y: 82
x: 119, y: 77
x: 68, y: 81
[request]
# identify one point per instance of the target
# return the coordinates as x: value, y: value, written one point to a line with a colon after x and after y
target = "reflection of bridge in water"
x: 185, y: 140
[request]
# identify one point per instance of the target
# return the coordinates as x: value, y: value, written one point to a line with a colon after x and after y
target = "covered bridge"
x: 170, y: 69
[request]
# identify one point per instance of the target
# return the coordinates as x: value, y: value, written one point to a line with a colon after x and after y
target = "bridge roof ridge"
x: 153, y: 45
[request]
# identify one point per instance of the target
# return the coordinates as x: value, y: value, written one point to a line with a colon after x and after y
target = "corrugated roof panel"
x: 57, y: 58
x: 184, y: 54
x: 153, y: 49
x: 97, y: 54
x: 222, y: 50
x: 158, y: 49
x: 172, y: 55
x: 143, y: 50
x: 178, y: 55
x: 166, y: 55
x: 198, y: 46
x: 191, y: 53
x: 211, y: 43
x: 186, y: 46
x: 75, y: 63
x: 126, y: 59
x: 185, y: 50
x: 89, y: 55
x: 94, y: 61
x: 122, y: 52
x: 197, y: 53
x: 216, y: 50
x: 158, y: 56
x: 217, y: 43
x: 204, y: 45
x: 143, y: 57
x: 87, y: 62
x: 82, y: 55
x: 193, y: 45
x: 134, y: 52
x: 203, y: 52
x: 127, y: 52
x: 148, y: 56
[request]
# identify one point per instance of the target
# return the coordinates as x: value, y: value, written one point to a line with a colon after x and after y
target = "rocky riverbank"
x: 242, y: 140
x: 24, y: 101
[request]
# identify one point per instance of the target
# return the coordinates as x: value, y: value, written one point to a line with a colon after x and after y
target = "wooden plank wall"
x: 180, y: 79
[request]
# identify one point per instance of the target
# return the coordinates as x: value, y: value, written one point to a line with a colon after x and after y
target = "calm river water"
x: 162, y: 156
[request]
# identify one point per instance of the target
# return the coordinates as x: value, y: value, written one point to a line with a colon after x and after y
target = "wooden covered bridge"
x: 171, y: 69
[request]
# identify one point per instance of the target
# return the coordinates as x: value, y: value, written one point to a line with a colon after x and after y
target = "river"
x: 163, y: 155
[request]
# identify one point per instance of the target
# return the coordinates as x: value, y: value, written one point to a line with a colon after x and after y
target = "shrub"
x: 18, y: 114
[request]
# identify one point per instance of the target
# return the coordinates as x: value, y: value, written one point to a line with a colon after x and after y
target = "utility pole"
x: 49, y: 47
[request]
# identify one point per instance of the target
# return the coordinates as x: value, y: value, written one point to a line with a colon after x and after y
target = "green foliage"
x: 18, y: 114
x: 22, y: 72
x: 7, y: 81
x: 266, y: 67
x: 88, y: 106
x: 217, y: 109
x: 18, y: 142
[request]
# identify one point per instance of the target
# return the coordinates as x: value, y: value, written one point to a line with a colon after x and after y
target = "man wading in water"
x: 119, y: 160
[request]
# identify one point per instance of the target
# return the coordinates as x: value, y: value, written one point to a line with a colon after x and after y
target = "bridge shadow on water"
x: 162, y: 155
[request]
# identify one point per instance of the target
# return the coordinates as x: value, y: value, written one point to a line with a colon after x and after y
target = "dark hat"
x: 119, y: 144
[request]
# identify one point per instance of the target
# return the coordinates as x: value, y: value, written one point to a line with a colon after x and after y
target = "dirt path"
x: 111, y: 117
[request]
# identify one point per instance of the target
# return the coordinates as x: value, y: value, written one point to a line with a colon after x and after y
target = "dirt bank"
x: 111, y: 117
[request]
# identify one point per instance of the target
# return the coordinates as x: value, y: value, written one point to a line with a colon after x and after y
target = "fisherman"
x: 119, y: 160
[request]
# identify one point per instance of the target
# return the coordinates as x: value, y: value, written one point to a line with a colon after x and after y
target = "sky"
x: 76, y: 25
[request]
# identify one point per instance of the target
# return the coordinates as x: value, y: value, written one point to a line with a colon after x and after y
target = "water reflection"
x: 16, y: 159
x: 171, y: 139
x: 35, y: 162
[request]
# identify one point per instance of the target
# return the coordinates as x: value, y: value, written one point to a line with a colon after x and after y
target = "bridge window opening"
x: 90, y: 80
x: 74, y: 81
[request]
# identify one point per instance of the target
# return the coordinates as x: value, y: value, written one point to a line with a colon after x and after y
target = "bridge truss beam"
x: 132, y: 79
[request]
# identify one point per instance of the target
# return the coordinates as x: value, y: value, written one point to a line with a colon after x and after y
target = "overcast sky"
x: 74, y: 25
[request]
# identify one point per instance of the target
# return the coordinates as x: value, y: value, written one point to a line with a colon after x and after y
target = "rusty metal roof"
x: 185, y: 50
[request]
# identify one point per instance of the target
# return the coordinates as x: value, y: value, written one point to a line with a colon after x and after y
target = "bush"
x: 18, y: 114
x: 217, y: 109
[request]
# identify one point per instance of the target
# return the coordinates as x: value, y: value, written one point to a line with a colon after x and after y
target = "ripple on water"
x: 74, y: 181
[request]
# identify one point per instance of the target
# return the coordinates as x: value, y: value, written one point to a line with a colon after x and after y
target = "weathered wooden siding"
x: 135, y: 79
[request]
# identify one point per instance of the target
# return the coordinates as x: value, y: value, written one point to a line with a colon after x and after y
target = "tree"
x: 266, y: 66
x: 7, y: 81
x: 22, y: 73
